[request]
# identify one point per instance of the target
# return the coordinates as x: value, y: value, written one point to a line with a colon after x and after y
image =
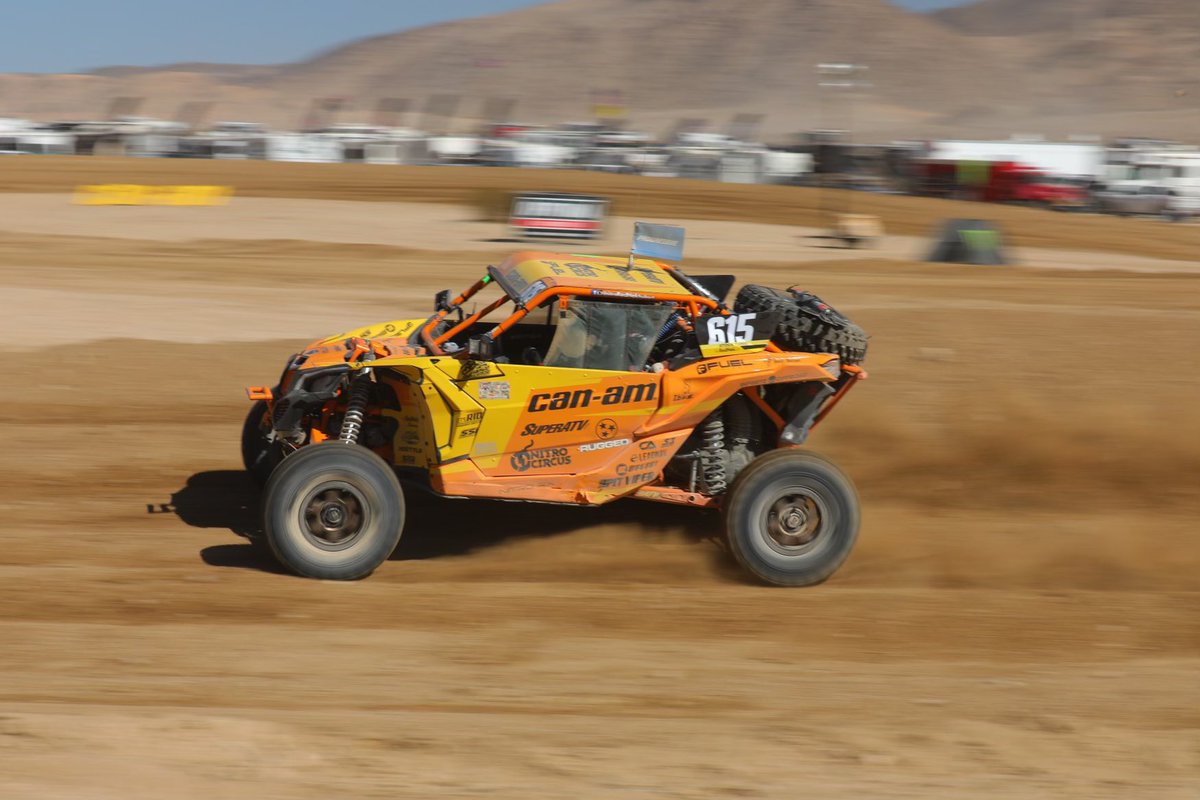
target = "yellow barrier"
x: 120, y: 194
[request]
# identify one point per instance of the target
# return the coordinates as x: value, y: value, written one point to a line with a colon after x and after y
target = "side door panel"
x: 560, y: 421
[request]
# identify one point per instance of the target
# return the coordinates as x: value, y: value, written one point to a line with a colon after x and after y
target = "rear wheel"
x: 334, y: 511
x: 791, y: 518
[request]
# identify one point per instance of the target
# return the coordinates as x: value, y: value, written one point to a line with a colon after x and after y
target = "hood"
x: 378, y: 341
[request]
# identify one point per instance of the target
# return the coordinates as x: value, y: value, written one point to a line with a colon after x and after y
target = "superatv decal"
x: 533, y: 429
x: 541, y: 458
x: 585, y: 398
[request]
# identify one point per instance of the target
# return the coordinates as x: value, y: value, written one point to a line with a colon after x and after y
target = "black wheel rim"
x: 795, y: 522
x: 333, y: 515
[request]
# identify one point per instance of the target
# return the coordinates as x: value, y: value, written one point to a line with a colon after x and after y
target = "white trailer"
x: 1072, y: 160
x: 306, y: 147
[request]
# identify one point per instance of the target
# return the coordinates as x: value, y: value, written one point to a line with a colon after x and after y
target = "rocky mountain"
x: 995, y: 67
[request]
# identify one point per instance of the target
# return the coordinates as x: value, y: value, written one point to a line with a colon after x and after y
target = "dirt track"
x: 1021, y: 617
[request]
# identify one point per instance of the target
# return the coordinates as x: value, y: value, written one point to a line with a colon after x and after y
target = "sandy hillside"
x: 1021, y: 617
x: 1052, y: 67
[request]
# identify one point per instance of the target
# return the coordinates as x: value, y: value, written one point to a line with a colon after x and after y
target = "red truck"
x: 994, y: 182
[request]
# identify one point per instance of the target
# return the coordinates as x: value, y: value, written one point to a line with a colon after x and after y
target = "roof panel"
x: 602, y: 273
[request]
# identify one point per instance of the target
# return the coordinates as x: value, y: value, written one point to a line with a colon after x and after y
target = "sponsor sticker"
x: 591, y: 447
x: 619, y: 394
x: 493, y: 390
x: 729, y: 363
x: 533, y: 429
x: 628, y: 480
x: 617, y: 293
x: 539, y: 458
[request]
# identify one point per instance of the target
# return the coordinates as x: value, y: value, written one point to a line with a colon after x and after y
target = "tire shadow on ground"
x: 434, y: 526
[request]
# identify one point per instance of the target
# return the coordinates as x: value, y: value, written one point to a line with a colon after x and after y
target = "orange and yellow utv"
x: 575, y: 379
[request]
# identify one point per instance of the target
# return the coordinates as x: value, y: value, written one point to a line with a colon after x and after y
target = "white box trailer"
x: 558, y: 215
x: 311, y: 148
x: 1077, y: 160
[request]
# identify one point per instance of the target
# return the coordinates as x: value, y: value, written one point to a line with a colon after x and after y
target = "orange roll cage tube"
x: 753, y: 394
x: 858, y: 374
x: 466, y: 295
x: 435, y: 345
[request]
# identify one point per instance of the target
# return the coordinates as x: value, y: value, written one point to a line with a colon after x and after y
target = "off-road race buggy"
x: 572, y: 379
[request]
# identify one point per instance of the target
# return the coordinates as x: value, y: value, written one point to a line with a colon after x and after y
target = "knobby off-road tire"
x: 791, y: 518
x: 333, y: 511
x: 806, y: 323
x: 259, y: 455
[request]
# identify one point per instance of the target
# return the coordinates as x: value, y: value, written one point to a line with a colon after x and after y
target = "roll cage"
x: 440, y: 329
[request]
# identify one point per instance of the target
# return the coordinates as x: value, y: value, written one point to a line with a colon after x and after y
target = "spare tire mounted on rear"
x: 806, y: 323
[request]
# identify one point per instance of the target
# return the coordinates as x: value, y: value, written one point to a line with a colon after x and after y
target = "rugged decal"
x: 611, y: 443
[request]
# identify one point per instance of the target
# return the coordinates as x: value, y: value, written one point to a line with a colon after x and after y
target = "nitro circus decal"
x: 584, y: 398
x: 533, y: 429
x: 608, y: 445
x: 541, y: 458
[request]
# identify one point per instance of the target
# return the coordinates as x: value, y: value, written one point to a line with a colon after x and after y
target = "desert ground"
x: 1021, y: 617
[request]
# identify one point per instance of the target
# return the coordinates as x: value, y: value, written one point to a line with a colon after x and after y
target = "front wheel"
x: 334, y: 511
x: 791, y: 518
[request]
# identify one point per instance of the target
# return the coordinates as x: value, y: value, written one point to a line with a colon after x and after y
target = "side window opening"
x: 593, y: 334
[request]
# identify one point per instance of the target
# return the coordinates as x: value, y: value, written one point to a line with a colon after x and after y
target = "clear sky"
x: 76, y: 35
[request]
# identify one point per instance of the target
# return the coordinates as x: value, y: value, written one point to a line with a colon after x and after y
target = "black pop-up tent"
x: 968, y: 241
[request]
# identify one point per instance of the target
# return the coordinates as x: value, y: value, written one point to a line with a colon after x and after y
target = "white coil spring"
x: 356, y: 408
x: 712, y: 466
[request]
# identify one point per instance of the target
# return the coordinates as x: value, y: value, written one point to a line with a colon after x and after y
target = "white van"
x: 1176, y: 171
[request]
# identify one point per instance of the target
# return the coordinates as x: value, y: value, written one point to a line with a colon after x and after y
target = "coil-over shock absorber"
x: 356, y: 407
x: 712, y: 454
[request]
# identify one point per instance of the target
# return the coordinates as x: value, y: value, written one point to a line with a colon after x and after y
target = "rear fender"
x: 692, y: 392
